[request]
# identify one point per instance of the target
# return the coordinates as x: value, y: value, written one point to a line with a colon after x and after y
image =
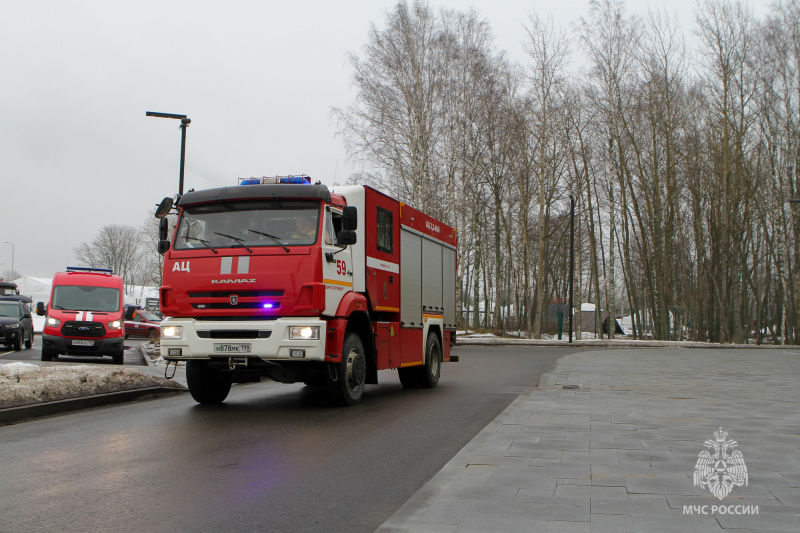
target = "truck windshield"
x: 248, y: 224
x: 85, y: 298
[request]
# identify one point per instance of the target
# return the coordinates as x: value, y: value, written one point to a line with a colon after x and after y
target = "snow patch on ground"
x: 24, y: 383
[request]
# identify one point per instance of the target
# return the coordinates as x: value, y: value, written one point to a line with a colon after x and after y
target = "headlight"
x: 116, y: 324
x: 304, y: 333
x: 172, y: 332
x: 53, y: 322
x: 15, y: 325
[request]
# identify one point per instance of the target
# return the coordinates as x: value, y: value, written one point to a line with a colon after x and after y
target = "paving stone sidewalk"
x: 619, y: 453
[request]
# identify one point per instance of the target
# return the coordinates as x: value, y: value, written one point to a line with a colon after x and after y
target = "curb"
x: 502, y: 341
x: 12, y: 415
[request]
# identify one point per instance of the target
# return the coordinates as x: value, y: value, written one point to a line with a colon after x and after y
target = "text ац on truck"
x: 281, y: 279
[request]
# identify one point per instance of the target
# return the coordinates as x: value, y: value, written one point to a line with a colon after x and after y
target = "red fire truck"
x: 281, y: 279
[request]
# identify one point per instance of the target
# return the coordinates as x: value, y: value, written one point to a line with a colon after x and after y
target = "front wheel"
x: 47, y: 355
x: 18, y: 343
x: 351, y: 372
x: 29, y: 342
x: 119, y: 357
x: 207, y: 385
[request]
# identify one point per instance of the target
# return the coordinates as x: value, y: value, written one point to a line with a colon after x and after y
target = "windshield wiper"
x: 273, y: 237
x: 237, y: 239
x: 205, y: 242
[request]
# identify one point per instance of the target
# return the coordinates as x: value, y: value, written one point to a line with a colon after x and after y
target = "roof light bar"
x: 300, y: 179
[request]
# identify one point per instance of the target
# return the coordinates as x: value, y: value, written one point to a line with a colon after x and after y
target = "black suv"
x: 16, y: 325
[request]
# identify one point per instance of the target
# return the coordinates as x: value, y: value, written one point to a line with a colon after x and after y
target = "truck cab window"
x: 333, y: 225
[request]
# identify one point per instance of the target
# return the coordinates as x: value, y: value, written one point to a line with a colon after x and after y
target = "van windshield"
x: 246, y: 224
x: 85, y: 298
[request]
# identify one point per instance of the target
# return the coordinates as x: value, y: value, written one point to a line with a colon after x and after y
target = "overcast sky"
x: 257, y: 78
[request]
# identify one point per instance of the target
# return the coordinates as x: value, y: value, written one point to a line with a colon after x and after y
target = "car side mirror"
x: 346, y: 238
x: 349, y: 219
x: 40, y: 309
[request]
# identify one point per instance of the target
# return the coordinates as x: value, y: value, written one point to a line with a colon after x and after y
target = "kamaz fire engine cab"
x: 282, y: 279
x: 84, y: 316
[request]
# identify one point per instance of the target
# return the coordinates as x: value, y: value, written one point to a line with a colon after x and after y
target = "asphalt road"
x: 133, y: 356
x: 272, y: 458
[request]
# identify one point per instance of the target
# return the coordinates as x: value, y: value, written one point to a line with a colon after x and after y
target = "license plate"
x: 232, y: 348
x: 82, y: 343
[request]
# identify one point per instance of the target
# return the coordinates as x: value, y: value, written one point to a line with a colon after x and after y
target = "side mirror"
x: 164, y: 208
x: 349, y: 219
x: 163, y: 246
x: 26, y: 315
x: 163, y: 229
x: 40, y: 309
x: 346, y: 238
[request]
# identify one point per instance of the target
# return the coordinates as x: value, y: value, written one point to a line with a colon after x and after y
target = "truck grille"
x: 234, y: 334
x: 245, y: 299
x: 83, y: 329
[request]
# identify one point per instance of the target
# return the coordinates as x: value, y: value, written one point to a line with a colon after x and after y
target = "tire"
x: 18, y: 344
x: 153, y: 335
x: 29, y: 342
x: 350, y: 372
x: 206, y: 385
x: 429, y: 373
x: 47, y: 355
x: 119, y: 358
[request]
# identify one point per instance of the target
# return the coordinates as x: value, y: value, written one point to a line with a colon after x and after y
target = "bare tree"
x: 115, y: 247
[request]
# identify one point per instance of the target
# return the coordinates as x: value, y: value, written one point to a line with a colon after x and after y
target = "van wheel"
x: 29, y: 342
x: 430, y: 373
x: 206, y: 385
x: 47, y: 355
x: 351, y: 372
x: 119, y: 358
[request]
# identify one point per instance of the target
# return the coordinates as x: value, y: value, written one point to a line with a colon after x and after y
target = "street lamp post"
x: 185, y: 121
x: 571, y: 261
x: 12, y: 257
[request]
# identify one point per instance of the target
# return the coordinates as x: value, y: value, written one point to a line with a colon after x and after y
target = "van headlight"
x: 116, y: 324
x: 172, y: 332
x: 304, y: 333
x: 53, y: 322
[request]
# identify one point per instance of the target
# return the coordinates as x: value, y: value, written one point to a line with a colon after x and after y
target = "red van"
x: 85, y: 315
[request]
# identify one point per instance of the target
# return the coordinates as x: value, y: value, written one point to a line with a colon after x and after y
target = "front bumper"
x: 9, y: 335
x: 267, y: 339
x: 68, y: 346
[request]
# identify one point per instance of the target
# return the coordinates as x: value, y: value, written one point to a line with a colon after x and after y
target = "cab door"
x: 337, y: 265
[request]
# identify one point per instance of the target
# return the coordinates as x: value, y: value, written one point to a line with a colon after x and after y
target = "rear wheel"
x: 207, y: 385
x: 429, y: 374
x: 351, y: 372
